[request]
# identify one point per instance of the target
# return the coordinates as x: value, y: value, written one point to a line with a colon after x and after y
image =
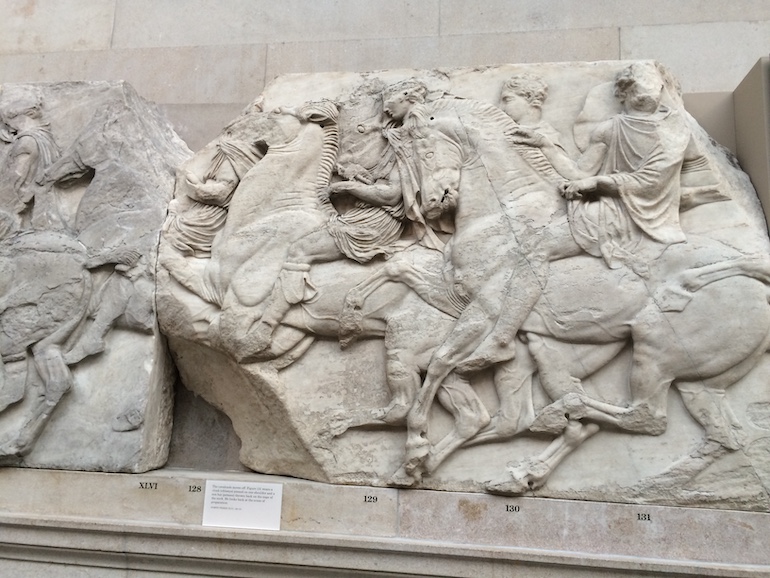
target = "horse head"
x: 440, y: 159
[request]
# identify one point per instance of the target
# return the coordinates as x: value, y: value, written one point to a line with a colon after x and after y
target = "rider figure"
x: 23, y: 194
x: 384, y: 201
x: 623, y: 196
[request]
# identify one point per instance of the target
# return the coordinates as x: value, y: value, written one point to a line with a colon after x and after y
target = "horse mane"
x: 523, y: 180
x: 492, y: 121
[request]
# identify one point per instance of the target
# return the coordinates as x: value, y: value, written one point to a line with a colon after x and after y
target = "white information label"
x: 252, y: 505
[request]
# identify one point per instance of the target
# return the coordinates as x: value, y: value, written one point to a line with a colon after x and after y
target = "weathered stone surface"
x: 87, y: 170
x: 511, y: 270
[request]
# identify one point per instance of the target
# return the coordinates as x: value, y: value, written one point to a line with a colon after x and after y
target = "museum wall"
x: 203, y: 61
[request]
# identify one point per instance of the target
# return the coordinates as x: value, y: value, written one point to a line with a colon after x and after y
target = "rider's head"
x: 399, y: 98
x: 639, y: 86
x: 523, y: 95
x: 21, y: 107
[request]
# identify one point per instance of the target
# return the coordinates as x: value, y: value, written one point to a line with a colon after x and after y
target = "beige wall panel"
x: 55, y: 25
x: 463, y: 17
x: 211, y: 74
x: 714, y: 112
x: 447, y: 51
x: 711, y: 57
x: 143, y: 23
x: 752, y: 128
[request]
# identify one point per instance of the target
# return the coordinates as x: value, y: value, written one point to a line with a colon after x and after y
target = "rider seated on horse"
x: 384, y: 202
x: 622, y: 194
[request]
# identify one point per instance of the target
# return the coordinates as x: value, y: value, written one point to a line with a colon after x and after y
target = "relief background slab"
x: 290, y: 407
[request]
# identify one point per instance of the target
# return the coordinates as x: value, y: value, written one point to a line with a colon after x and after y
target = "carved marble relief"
x: 86, y: 171
x: 541, y: 280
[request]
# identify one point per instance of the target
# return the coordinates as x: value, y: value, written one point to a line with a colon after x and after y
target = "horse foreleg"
x: 649, y: 384
x: 470, y: 415
x: 531, y: 473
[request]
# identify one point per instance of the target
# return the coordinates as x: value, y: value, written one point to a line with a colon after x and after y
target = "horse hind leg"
x: 58, y: 380
x: 646, y: 414
x: 531, y: 473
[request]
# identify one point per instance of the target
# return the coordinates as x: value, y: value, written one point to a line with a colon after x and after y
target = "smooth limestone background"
x: 202, y: 61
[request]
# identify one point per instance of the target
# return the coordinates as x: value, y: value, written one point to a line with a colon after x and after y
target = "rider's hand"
x: 575, y: 190
x: 525, y: 136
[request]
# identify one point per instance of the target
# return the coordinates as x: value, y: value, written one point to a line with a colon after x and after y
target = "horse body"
x: 684, y: 343
x: 39, y: 311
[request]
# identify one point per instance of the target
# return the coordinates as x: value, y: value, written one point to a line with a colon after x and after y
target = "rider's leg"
x: 513, y: 383
x: 470, y: 415
x: 529, y: 275
x: 292, y: 285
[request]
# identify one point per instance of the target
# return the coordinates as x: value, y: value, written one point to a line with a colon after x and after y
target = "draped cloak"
x: 644, y: 158
x: 365, y: 231
x: 193, y: 230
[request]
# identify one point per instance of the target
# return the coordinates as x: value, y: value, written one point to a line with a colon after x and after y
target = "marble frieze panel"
x: 86, y: 173
x: 520, y: 279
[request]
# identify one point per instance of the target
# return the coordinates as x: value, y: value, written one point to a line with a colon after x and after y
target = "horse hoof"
x: 506, y: 487
x: 10, y: 454
x: 417, y: 451
x: 401, y: 479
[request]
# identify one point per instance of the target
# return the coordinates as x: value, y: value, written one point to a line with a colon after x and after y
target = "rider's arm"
x: 24, y: 156
x: 381, y: 193
x: 587, y: 165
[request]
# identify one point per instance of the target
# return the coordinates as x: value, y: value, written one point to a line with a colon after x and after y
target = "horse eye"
x: 429, y: 155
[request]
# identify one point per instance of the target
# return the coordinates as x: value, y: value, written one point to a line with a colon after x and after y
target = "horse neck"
x: 512, y: 178
x: 477, y: 198
x: 284, y: 179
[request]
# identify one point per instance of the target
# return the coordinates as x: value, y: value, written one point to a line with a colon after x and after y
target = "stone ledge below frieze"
x: 145, y: 525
